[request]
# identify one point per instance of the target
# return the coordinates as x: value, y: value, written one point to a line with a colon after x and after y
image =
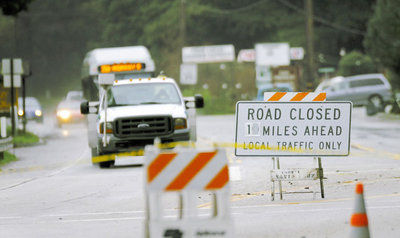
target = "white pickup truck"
x: 133, y: 112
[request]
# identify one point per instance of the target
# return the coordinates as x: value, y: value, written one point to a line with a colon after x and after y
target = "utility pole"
x: 311, y: 73
x: 182, y: 24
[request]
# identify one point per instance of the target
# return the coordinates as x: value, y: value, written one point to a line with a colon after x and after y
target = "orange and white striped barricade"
x: 187, y: 171
x: 295, y: 174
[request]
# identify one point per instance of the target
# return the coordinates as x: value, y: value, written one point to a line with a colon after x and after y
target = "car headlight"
x: 64, y: 114
x: 180, y: 123
x: 109, y: 128
x: 38, y: 113
x: 20, y: 112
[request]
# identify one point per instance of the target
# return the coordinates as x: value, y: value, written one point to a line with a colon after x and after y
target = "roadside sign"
x: 188, y: 74
x: 284, y: 73
x: 263, y: 73
x: 7, y: 81
x: 6, y: 72
x: 6, y: 66
x: 296, y: 53
x: 294, y: 174
x: 5, y: 103
x: 247, y: 55
x: 208, y: 54
x: 326, y: 70
x: 293, y: 128
x: 272, y: 54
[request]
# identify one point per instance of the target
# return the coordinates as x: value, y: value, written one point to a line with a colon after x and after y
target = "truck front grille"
x: 140, y: 127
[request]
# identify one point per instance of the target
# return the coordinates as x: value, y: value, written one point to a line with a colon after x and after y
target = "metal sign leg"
x: 280, y: 182
x: 321, y: 177
x: 273, y: 182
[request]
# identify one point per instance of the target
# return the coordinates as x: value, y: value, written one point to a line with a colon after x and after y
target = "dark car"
x: 33, y: 109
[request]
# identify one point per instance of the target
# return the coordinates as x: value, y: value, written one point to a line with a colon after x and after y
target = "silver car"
x: 359, y: 89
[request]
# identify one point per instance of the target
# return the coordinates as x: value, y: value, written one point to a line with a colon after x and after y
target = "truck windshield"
x: 146, y: 93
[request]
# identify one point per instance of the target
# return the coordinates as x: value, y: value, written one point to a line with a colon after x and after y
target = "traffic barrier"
x: 295, y: 97
x: 5, y: 144
x: 187, y: 172
x: 359, y: 219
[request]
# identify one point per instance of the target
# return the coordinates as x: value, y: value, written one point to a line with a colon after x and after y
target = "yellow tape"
x: 110, y: 157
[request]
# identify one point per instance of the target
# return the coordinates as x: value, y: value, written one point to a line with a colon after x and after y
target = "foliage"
x: 22, y: 139
x: 355, y: 63
x: 383, y: 39
x: 13, y: 7
x: 54, y: 36
x: 25, y: 139
x: 8, y: 157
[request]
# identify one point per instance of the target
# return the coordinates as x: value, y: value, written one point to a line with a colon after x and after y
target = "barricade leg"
x: 321, y: 177
x: 155, y: 209
x: 280, y: 182
x: 273, y: 182
x: 188, y: 205
x: 221, y: 204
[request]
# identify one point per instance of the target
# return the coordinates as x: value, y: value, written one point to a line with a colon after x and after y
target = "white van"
x: 359, y: 89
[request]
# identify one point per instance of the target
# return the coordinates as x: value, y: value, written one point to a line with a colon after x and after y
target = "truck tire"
x: 106, y: 164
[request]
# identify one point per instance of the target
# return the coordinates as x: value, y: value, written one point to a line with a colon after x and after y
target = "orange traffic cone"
x: 359, y: 219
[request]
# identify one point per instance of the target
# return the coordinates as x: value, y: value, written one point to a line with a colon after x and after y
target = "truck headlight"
x: 20, y: 112
x: 109, y: 128
x: 180, y: 123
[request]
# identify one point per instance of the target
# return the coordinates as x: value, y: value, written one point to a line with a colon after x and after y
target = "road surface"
x: 53, y: 190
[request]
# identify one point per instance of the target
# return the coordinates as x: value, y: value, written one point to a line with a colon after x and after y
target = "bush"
x: 356, y: 63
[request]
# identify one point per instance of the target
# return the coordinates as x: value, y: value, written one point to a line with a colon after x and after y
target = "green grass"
x: 8, y: 157
x: 25, y: 139
x: 22, y: 139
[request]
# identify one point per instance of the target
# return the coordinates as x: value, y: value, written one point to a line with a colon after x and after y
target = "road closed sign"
x: 293, y: 128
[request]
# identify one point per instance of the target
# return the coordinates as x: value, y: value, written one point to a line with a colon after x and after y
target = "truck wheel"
x: 106, y: 164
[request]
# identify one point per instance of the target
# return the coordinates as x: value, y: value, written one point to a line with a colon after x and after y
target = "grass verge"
x: 8, y: 157
x: 25, y: 139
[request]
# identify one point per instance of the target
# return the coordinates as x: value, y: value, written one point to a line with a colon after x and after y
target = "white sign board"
x: 294, y: 174
x: 7, y: 81
x: 272, y: 54
x: 296, y: 53
x: 6, y: 66
x: 263, y: 73
x: 247, y: 55
x: 188, y: 74
x: 293, y: 128
x: 208, y: 54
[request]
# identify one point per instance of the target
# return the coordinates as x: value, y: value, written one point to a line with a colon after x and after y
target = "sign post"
x: 188, y: 74
x: 12, y: 71
x: 293, y: 127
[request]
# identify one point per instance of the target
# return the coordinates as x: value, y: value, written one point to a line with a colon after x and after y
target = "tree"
x: 383, y: 38
x: 13, y: 7
x: 356, y: 63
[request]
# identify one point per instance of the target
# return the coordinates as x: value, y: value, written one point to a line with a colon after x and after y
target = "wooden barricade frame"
x: 295, y: 97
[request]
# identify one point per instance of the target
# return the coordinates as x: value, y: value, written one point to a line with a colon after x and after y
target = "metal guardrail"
x: 5, y: 144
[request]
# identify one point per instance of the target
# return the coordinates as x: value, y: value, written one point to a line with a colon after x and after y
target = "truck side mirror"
x: 85, y: 107
x: 89, y: 107
x: 198, y: 101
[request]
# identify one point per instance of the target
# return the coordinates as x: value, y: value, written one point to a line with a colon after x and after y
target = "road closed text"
x: 293, y: 128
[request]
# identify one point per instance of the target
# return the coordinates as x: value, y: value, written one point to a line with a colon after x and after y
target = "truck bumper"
x: 119, y: 145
